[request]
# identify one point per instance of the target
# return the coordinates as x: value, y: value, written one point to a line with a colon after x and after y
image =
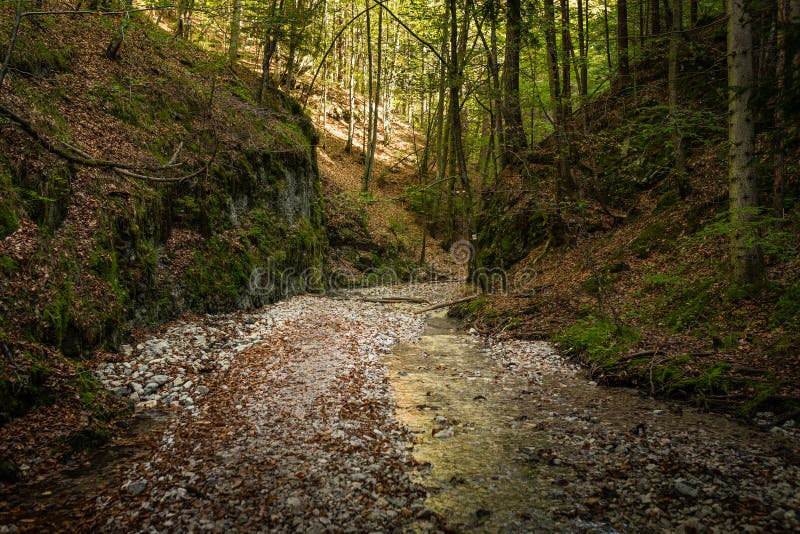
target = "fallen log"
x: 446, y: 304
x: 395, y: 300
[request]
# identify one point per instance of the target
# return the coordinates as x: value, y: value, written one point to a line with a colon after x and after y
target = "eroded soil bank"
x: 339, y: 414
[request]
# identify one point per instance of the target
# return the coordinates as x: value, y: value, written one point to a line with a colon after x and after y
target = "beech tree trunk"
x: 583, y: 51
x: 679, y: 154
x: 562, y: 160
x: 607, y: 35
x: 623, y: 63
x: 368, y: 140
x: 788, y: 25
x: 236, y: 27
x: 655, y: 18
x: 566, y: 54
x: 745, y: 253
x: 514, y: 140
x: 351, y: 78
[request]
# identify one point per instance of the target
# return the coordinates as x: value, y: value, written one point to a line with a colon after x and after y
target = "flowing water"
x: 479, y: 477
x: 550, y: 451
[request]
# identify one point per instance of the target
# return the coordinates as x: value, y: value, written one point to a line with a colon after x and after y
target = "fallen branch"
x: 446, y: 304
x: 395, y: 300
x: 80, y: 157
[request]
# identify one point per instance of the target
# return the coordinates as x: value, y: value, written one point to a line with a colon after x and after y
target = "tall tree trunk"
x: 351, y: 78
x: 442, y: 133
x: 583, y: 78
x: 374, y: 107
x: 642, y: 25
x: 236, y: 27
x: 390, y: 88
x: 693, y: 13
x: 185, y: 9
x: 622, y: 41
x: 667, y: 18
x: 514, y: 136
x: 679, y: 154
x: 458, y: 164
x: 562, y: 160
x: 607, y: 36
x: 655, y: 18
x: 745, y: 253
x: 788, y: 23
x: 271, y: 36
x: 368, y: 140
x: 498, y: 138
x: 113, y: 47
x: 566, y: 54
x: 324, y: 132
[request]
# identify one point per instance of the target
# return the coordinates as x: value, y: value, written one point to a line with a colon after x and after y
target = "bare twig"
x: 12, y: 43
x: 81, y: 157
x: 446, y: 304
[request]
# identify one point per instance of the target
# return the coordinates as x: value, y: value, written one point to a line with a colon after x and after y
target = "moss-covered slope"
x: 86, y: 253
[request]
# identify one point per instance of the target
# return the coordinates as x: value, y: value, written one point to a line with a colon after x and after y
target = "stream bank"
x: 336, y: 414
x: 513, y: 437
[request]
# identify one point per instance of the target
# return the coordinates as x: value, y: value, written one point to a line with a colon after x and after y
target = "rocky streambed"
x: 339, y: 414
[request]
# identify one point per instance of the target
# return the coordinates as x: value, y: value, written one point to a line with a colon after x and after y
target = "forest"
x: 384, y: 265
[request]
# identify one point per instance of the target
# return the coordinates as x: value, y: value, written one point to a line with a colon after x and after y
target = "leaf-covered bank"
x: 213, y: 204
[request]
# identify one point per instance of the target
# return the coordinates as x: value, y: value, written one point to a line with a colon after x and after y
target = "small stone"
x: 778, y: 514
x: 146, y: 405
x: 187, y: 384
x: 121, y: 391
x: 445, y: 433
x: 136, y: 487
x: 685, y: 489
x: 202, y: 390
x: 160, y: 379
x: 135, y: 397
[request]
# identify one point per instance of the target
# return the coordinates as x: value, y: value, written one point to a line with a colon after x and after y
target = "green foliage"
x: 122, y: 102
x: 34, y: 57
x: 599, y: 338
x: 681, y: 303
x: 8, y: 218
x: 761, y: 231
x: 90, y: 437
x: 57, y: 313
x: 787, y: 309
x: 655, y: 237
x: 28, y: 388
x: 505, y: 235
x: 8, y: 265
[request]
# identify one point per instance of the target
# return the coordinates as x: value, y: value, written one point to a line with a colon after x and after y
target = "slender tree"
x: 675, y: 38
x: 745, y: 253
x: 623, y: 63
x: 514, y: 137
x: 236, y: 27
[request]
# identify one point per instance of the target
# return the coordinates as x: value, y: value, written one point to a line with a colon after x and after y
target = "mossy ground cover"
x: 87, y: 254
x: 645, y: 268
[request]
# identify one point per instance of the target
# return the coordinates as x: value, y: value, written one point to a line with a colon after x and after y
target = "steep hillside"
x: 131, y: 191
x: 641, y: 289
x: 378, y: 232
